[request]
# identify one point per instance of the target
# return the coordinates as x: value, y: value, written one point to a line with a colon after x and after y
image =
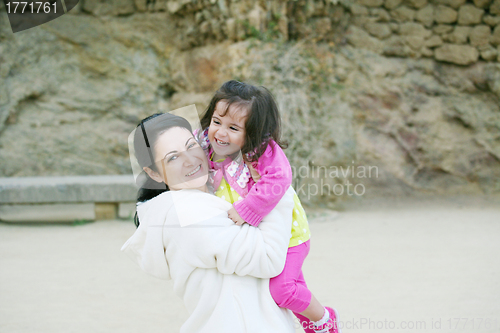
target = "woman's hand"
x: 233, y: 215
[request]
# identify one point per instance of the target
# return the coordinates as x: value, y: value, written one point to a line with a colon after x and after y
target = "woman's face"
x: 181, y: 162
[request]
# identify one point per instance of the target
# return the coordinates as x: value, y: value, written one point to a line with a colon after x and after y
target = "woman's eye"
x: 192, y: 145
x: 172, y: 158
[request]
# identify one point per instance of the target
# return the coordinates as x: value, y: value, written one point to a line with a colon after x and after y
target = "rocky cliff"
x: 361, y: 115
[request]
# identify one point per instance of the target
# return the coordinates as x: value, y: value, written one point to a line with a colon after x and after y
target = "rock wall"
x: 73, y: 89
x: 455, y: 31
x: 202, y: 22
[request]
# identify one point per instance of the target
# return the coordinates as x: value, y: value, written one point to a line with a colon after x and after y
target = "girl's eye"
x: 216, y: 122
x: 234, y: 128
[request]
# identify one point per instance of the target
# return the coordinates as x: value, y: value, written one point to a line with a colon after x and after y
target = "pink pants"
x: 289, y: 289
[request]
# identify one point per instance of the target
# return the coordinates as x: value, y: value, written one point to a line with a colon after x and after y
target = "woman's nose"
x: 189, y: 159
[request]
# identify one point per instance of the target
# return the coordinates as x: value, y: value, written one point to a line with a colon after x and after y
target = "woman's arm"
x: 217, y: 243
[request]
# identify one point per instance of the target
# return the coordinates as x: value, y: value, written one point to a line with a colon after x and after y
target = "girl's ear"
x: 153, y: 175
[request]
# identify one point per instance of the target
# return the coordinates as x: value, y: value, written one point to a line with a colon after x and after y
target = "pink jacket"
x: 259, y: 198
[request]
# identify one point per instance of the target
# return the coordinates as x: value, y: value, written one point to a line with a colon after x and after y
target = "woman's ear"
x: 153, y: 175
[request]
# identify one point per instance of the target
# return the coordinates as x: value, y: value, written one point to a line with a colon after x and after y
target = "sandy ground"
x: 428, y: 267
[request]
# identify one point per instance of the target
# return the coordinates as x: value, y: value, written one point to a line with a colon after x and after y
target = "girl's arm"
x: 275, y: 179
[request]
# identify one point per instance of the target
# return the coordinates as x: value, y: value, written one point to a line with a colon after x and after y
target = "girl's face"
x: 227, y: 133
x: 181, y: 162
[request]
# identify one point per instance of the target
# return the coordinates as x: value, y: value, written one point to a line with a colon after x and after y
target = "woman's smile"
x: 198, y: 168
x: 184, y: 164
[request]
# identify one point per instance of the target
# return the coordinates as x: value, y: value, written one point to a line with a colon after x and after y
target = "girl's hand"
x: 233, y: 215
x: 255, y: 175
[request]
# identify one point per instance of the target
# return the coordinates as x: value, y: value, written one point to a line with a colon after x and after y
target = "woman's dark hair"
x: 145, y: 137
x: 263, y: 122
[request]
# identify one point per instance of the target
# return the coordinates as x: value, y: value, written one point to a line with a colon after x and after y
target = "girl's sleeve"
x: 242, y: 250
x: 275, y: 179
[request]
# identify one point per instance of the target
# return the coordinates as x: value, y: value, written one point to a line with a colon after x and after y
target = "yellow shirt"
x: 300, y: 226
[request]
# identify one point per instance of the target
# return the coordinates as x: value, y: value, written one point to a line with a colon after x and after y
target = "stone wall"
x: 454, y: 31
x: 202, y: 22
x: 73, y: 89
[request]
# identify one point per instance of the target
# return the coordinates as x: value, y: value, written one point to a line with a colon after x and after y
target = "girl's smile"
x: 227, y: 129
x: 221, y: 143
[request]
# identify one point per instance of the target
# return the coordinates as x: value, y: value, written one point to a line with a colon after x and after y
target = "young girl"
x: 241, y: 136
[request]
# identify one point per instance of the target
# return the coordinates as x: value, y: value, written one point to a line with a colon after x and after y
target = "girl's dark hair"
x: 263, y: 122
x: 145, y: 137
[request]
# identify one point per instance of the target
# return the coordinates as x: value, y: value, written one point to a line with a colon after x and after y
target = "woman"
x: 219, y: 269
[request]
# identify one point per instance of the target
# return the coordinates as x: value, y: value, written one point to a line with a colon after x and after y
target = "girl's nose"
x: 222, y: 132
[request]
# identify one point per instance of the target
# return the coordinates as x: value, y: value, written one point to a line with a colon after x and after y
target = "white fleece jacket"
x: 220, y: 270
